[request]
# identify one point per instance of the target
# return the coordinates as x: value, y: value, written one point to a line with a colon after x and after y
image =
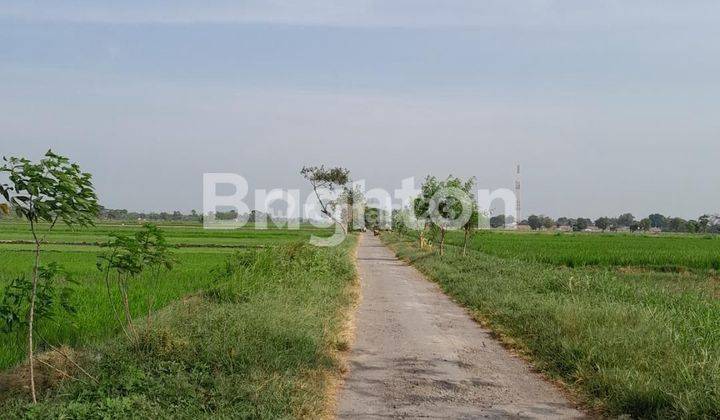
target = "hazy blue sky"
x: 609, y: 106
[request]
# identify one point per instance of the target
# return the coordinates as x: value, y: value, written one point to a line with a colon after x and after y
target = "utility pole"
x: 518, y: 207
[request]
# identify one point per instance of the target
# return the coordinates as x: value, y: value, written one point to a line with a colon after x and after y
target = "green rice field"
x: 199, y: 252
x: 662, y: 252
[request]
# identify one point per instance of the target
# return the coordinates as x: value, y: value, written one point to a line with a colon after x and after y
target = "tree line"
x: 706, y: 223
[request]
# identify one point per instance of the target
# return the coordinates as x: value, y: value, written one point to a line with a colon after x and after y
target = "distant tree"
x: 547, y: 222
x: 625, y: 219
x: 354, y: 200
x: 614, y: 223
x: 421, y: 206
x: 645, y: 224
x: 692, y: 226
x: 329, y: 179
x: 534, y: 222
x: 602, y: 223
x: 581, y: 224
x: 703, y: 223
x: 401, y: 220
x: 497, y: 221
x: 563, y: 221
x: 657, y: 220
x: 372, y: 218
x: 714, y: 226
x: 676, y: 224
x: 221, y: 215
x: 50, y: 190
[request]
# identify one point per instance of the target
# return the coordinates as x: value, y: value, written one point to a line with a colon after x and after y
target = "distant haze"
x: 608, y: 106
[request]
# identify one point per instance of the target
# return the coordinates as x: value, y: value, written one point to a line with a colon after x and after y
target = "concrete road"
x: 419, y: 355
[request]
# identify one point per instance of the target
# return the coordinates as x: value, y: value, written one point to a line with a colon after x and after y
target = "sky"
x: 607, y: 106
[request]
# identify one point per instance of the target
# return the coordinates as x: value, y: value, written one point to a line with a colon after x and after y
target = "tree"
x: 657, y: 220
x: 645, y: 224
x: 354, y: 200
x: 329, y: 179
x: 703, y: 223
x: 50, y: 190
x: 547, y: 222
x: 127, y: 257
x: 497, y: 221
x: 581, y: 224
x: 534, y: 222
x: 563, y: 221
x: 471, y: 225
x: 401, y: 220
x: 676, y: 224
x: 602, y: 223
x: 625, y: 220
x: 421, y: 206
x: 442, y: 203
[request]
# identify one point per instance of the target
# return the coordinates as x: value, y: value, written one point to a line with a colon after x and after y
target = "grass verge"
x: 261, y: 342
x: 625, y: 344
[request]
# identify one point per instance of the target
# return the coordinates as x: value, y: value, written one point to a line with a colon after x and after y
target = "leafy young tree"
x: 330, y: 179
x: 442, y: 203
x: 54, y: 293
x: 50, y: 190
x: 401, y: 220
x: 127, y: 258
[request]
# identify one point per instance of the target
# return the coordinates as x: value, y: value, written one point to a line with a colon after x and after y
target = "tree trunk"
x: 128, y: 315
x: 465, y: 243
x: 31, y: 318
x: 442, y: 241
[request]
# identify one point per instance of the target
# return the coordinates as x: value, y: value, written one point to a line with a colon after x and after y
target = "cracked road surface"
x: 417, y: 354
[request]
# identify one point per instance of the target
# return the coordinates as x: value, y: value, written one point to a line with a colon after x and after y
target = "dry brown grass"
x: 51, y: 368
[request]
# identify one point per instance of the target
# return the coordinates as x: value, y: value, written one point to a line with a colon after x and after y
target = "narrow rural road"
x: 419, y: 355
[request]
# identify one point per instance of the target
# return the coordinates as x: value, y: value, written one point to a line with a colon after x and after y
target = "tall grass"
x: 260, y: 342
x: 639, y: 344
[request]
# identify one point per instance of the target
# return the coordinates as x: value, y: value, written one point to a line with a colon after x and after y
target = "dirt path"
x: 418, y: 354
